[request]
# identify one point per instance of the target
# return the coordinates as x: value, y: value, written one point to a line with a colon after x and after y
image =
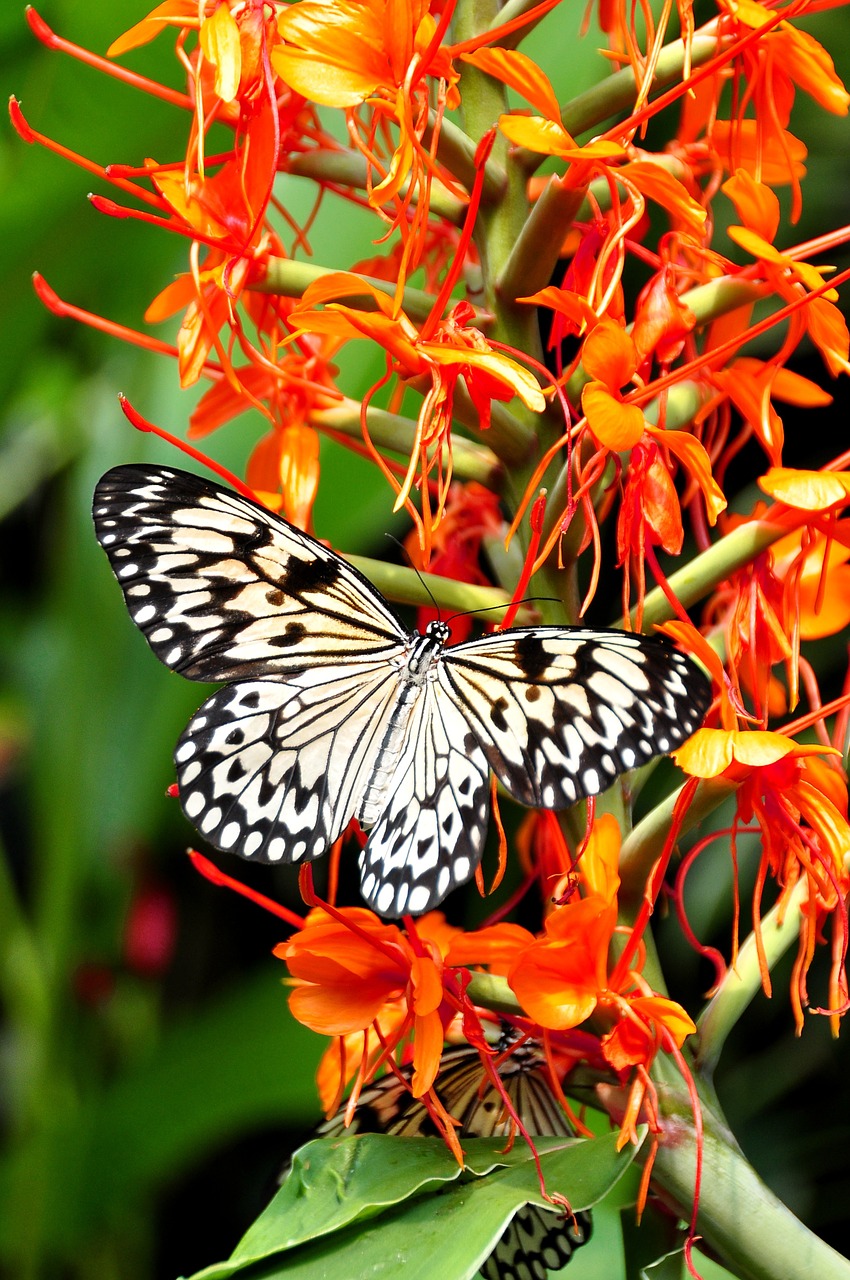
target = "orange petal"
x: 520, y: 381
x: 173, y: 13
x: 333, y: 54
x: 660, y: 1012
x: 546, y: 136
x: 600, y: 861
x: 516, y: 70
x: 427, y: 1047
x: 608, y: 355
x: 617, y: 426
x: 660, y: 186
x: 336, y: 1010
x: 550, y: 998
x: 828, y: 330
x: 810, y: 66
x: 777, y: 160
x: 756, y: 205
x: 497, y: 946
x: 692, y: 454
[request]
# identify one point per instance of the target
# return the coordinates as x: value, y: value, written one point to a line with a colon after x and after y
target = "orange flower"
x: 650, y: 512
x: 752, y: 384
x: 353, y: 972
x: 795, y: 589
x: 283, y: 467
x: 550, y: 138
x: 610, y: 359
x: 452, y: 350
x: 383, y: 54
x: 799, y: 804
x: 568, y: 975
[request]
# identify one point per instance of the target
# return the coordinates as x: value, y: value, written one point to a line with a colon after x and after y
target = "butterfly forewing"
x: 560, y: 712
x: 223, y: 589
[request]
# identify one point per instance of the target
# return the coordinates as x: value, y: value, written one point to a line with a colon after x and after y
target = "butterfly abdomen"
x: 415, y: 669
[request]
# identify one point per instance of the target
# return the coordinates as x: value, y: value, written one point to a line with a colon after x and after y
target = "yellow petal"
x: 711, y: 751
x: 806, y: 490
x: 220, y: 44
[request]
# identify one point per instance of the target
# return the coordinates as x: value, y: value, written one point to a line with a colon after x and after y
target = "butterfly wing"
x: 536, y: 1240
x: 273, y: 766
x: 430, y: 835
x: 274, y: 770
x: 224, y: 589
x: 560, y: 712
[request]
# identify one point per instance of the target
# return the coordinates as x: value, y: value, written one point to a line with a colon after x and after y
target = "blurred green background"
x: 152, y: 1079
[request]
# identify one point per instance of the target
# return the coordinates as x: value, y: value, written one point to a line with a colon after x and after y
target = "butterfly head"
x: 439, y: 632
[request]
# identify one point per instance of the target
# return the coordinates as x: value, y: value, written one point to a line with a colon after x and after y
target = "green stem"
x: 708, y: 569
x: 290, y: 279
x: 779, y: 930
x: 492, y: 992
x: 406, y: 586
x: 537, y: 249
x: 348, y: 169
x: 392, y: 431
x: 741, y: 1220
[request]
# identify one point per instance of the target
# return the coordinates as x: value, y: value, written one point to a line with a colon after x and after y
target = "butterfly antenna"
x: 489, y: 607
x: 403, y: 549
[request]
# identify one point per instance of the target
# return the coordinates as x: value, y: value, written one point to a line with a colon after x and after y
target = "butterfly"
x: 536, y: 1240
x: 333, y: 710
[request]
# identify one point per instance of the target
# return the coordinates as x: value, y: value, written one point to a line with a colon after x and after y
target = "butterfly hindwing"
x: 535, y: 1242
x: 560, y: 712
x: 274, y: 771
x: 430, y: 835
x: 223, y: 589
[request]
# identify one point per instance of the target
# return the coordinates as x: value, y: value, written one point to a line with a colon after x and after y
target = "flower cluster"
x: 633, y: 417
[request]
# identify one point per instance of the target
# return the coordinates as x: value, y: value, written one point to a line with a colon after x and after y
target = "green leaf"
x: 352, y: 1207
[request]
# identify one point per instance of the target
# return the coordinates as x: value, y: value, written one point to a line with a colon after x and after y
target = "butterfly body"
x: 417, y: 667
x: 333, y: 710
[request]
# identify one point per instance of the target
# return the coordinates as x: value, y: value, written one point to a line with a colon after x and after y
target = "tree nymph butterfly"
x: 332, y: 710
x: 537, y: 1240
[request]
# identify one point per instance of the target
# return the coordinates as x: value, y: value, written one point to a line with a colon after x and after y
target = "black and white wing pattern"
x: 334, y: 711
x: 536, y: 1240
x: 560, y: 712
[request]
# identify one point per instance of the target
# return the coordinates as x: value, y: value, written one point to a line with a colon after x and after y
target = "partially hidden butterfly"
x: 333, y: 710
x: 536, y: 1240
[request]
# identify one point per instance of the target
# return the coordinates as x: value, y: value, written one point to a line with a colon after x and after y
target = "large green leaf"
x: 355, y: 1206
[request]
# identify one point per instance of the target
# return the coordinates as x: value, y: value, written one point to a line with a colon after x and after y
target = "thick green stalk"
x: 779, y: 930
x: 755, y: 1235
x: 392, y: 431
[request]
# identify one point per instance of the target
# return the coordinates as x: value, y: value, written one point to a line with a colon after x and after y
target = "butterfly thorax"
x: 416, y: 666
